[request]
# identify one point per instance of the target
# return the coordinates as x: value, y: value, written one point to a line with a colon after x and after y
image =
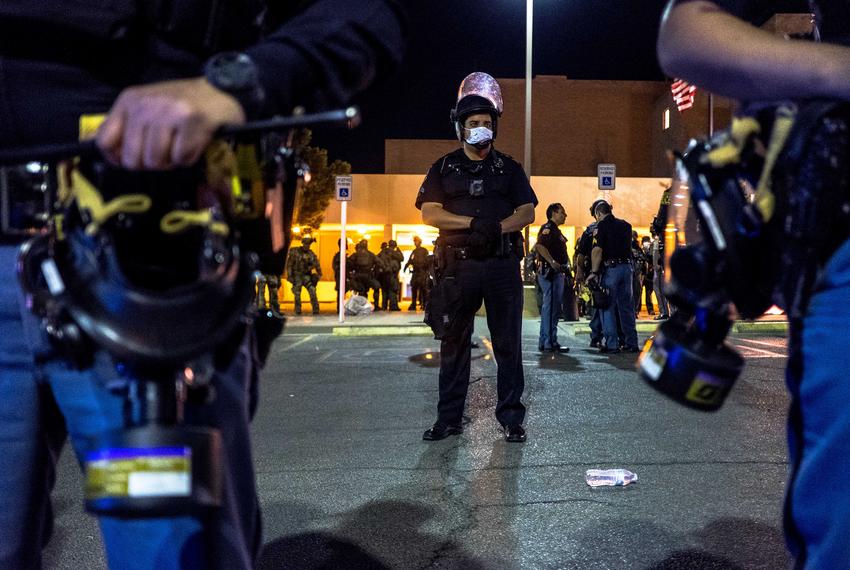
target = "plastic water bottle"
x: 609, y: 477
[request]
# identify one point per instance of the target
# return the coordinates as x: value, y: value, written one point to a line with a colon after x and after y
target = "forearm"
x: 701, y: 43
x: 579, y: 263
x: 434, y: 214
x: 522, y: 216
x: 596, y: 260
x: 329, y: 52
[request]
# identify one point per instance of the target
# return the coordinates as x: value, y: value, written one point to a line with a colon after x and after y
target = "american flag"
x: 683, y: 94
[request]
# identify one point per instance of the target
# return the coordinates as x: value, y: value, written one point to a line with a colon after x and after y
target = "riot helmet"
x: 478, y: 93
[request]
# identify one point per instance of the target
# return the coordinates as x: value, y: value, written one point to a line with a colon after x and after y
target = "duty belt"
x: 615, y: 261
x: 26, y: 199
x: 456, y: 246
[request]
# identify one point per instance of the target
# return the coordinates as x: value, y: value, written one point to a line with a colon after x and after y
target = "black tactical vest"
x: 476, y: 188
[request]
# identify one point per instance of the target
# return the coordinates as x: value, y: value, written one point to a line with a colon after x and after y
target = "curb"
x: 737, y: 326
x: 749, y: 327
x: 382, y: 331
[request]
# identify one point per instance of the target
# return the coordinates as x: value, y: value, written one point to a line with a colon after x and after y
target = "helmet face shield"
x: 478, y: 93
x: 482, y: 85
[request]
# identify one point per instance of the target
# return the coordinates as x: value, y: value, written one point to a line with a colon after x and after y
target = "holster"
x: 445, y: 300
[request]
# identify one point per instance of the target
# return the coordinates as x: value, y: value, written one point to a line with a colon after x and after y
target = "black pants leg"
x: 497, y: 282
x: 455, y: 357
x: 503, y: 298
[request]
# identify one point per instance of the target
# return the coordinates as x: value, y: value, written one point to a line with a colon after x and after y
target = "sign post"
x: 343, y: 195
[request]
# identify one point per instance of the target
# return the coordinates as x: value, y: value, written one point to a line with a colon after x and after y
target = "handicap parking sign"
x: 607, y: 176
x: 343, y: 188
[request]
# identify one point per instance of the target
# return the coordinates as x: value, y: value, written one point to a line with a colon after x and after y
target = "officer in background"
x: 611, y: 265
x: 389, y: 259
x: 303, y: 270
x: 656, y: 254
x: 582, y: 263
x: 636, y: 271
x: 335, y: 264
x: 168, y: 80
x: 712, y: 43
x: 551, y: 246
x: 480, y: 199
x: 418, y: 263
x: 269, y: 284
x: 364, y: 266
x: 646, y: 276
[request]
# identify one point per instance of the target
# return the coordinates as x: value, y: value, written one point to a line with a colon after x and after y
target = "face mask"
x: 479, y: 137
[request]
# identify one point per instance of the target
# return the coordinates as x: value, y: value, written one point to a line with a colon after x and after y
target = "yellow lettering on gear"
x: 89, y: 124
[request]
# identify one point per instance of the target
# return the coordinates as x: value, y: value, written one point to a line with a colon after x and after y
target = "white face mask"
x: 479, y: 136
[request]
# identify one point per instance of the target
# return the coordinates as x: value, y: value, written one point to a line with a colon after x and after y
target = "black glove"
x: 490, y: 229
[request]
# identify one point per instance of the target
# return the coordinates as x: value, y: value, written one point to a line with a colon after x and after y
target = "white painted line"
x: 294, y: 344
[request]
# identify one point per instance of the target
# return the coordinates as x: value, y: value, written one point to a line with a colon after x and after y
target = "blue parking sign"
x: 343, y: 187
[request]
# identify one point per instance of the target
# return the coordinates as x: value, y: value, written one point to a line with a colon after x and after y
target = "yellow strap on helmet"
x: 89, y: 199
x: 730, y: 153
x: 177, y: 221
x: 764, y: 198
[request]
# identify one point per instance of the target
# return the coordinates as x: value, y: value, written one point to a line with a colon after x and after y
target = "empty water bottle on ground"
x: 609, y: 477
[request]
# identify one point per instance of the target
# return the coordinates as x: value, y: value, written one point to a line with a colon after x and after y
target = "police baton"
x: 349, y: 117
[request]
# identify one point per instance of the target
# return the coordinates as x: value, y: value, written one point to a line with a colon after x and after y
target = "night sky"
x: 582, y: 39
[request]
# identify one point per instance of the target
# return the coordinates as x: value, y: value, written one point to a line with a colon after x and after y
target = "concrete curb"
x: 382, y: 331
x: 757, y: 327
x: 751, y: 327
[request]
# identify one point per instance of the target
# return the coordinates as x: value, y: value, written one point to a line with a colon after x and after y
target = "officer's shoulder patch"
x: 545, y: 231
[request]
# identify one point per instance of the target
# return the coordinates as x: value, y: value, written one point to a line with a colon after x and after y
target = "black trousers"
x: 496, y: 282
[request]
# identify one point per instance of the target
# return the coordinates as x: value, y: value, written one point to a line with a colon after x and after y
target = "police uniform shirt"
x: 614, y: 236
x: 553, y: 240
x: 492, y: 188
x: 317, y: 53
x: 585, y: 243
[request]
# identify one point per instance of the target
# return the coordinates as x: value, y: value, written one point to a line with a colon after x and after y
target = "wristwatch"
x: 236, y: 74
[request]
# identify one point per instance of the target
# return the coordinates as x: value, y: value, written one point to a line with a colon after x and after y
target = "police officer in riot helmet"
x: 711, y: 43
x: 167, y: 79
x: 480, y: 199
x: 611, y: 267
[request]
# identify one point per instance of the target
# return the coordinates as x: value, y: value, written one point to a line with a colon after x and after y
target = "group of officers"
x: 365, y: 271
x: 379, y: 273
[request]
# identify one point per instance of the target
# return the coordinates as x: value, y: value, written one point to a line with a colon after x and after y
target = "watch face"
x: 233, y: 72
